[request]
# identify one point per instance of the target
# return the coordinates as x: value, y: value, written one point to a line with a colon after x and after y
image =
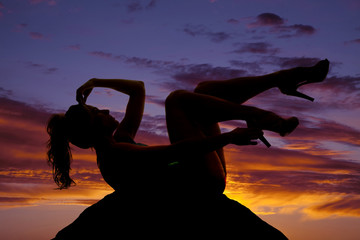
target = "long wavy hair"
x: 74, y: 126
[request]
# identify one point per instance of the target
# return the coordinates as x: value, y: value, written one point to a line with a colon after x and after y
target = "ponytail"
x: 59, y: 153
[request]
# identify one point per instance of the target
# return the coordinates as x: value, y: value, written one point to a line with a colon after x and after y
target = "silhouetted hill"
x: 118, y: 216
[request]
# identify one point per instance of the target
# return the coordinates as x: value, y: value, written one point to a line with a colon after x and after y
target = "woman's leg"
x: 194, y: 115
x: 197, y: 114
x: 238, y: 90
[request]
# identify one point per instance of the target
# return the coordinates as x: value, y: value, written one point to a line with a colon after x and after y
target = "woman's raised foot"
x: 290, y: 80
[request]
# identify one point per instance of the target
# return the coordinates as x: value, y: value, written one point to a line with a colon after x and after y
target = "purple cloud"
x: 232, y: 21
x: 256, y: 48
x: 45, y: 69
x: 36, y: 35
x: 253, y: 68
x: 192, y: 74
x: 355, y: 41
x: 51, y: 70
x: 348, y: 205
x: 277, y: 25
x: 187, y: 75
x: 101, y: 54
x: 294, y: 30
x: 290, y: 62
x: 5, y: 92
x: 201, y: 30
x: 267, y: 19
x: 75, y: 47
x: 20, y: 27
x: 136, y: 6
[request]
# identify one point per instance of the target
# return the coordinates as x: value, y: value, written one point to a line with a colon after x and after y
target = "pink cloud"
x: 36, y: 35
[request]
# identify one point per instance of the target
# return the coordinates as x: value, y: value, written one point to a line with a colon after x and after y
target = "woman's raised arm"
x: 135, y: 107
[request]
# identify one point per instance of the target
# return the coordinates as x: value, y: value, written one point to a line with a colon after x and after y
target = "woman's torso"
x: 136, y: 172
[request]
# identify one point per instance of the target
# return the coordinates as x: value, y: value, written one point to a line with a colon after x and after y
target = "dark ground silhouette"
x: 192, y: 217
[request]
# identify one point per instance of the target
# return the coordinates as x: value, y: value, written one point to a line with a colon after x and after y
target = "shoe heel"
x: 300, y: 95
x: 263, y: 139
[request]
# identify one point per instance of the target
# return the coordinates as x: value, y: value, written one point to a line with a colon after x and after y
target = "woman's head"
x: 81, y: 125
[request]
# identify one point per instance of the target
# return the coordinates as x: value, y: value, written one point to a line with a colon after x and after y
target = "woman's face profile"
x: 103, y: 119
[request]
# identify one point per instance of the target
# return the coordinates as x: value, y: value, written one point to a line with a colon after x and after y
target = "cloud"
x: 187, y: 76
x: 256, y: 48
x: 201, y: 30
x: 20, y: 27
x: 101, y: 54
x: 232, y: 21
x: 294, y: 30
x: 277, y: 25
x: 75, y: 47
x: 335, y: 93
x: 290, y: 62
x: 355, y: 41
x: 267, y: 19
x: 261, y: 174
x: 136, y: 6
x: 344, y: 205
x: 5, y: 92
x: 36, y: 35
x: 25, y: 177
x: 153, y: 100
x: 44, y: 68
x: 253, y: 68
x: 192, y: 74
x: 327, y: 130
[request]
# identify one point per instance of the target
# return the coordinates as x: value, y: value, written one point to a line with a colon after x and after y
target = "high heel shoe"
x: 316, y: 73
x: 274, y: 123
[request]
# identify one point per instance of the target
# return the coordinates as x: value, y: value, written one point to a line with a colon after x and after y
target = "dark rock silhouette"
x: 195, y: 217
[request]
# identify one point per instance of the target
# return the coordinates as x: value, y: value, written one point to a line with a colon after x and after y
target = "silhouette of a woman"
x: 196, y: 149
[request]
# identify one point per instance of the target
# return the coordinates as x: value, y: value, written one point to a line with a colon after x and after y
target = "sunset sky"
x: 307, y: 184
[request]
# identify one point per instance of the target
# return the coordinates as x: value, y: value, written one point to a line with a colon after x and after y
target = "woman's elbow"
x: 140, y: 89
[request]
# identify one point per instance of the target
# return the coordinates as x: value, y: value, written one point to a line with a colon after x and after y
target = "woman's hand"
x: 84, y: 91
x: 245, y: 136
